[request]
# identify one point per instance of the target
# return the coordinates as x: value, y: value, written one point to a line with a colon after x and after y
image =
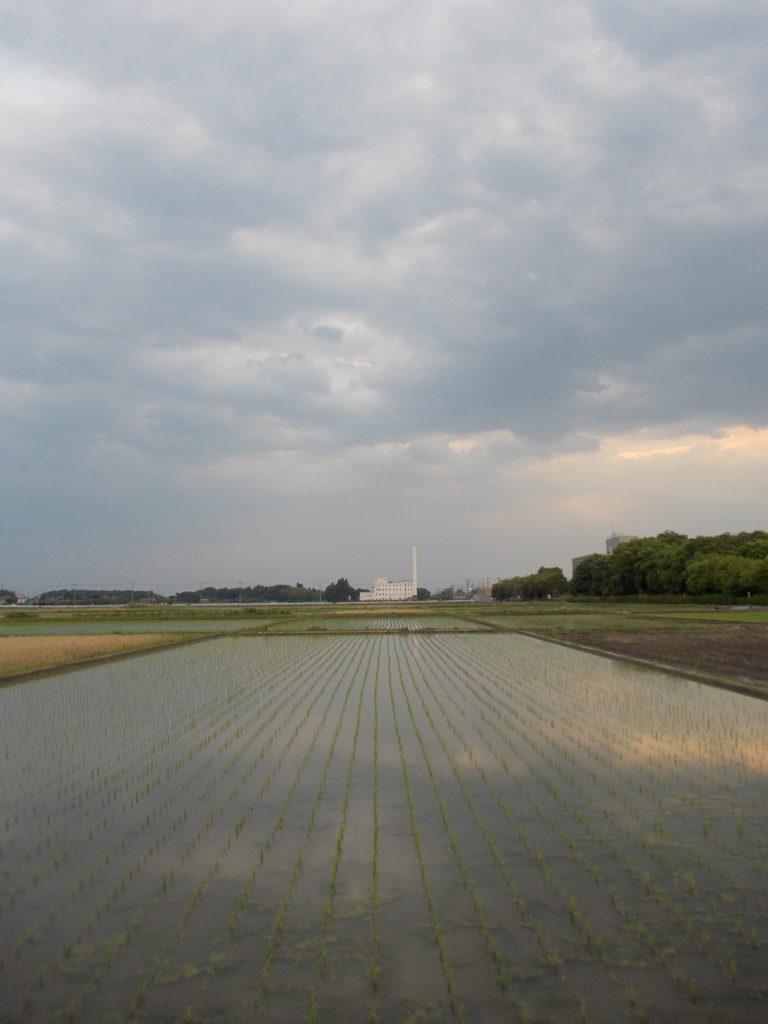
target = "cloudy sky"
x: 288, y: 287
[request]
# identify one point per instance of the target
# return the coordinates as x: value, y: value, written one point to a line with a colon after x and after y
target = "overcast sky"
x: 288, y: 287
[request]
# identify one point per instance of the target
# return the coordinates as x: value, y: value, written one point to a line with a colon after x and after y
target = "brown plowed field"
x: 735, y: 652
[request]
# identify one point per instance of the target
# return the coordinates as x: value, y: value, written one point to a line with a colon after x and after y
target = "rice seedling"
x: 277, y: 924
x: 435, y: 924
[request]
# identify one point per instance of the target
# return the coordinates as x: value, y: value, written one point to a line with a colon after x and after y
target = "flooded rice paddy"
x: 403, y: 828
x: 340, y: 622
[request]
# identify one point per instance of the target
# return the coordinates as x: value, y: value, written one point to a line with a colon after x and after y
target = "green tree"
x: 547, y: 582
x: 340, y: 591
x: 592, y: 577
x: 700, y: 575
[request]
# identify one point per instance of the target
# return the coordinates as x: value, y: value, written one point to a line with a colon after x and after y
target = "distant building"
x: 615, y: 539
x: 385, y: 590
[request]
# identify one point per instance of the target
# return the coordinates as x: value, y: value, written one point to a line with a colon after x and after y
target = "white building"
x: 385, y: 590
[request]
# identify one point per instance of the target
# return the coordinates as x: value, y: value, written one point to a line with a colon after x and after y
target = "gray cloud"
x: 230, y: 233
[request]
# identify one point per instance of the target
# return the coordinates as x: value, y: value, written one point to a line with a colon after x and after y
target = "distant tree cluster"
x: 733, y: 565
x: 547, y: 582
x: 340, y: 591
x: 279, y: 592
x: 103, y: 597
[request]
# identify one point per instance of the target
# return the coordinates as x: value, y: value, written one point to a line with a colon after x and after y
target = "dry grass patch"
x: 28, y: 653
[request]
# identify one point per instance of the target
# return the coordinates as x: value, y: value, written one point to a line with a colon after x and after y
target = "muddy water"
x: 395, y: 828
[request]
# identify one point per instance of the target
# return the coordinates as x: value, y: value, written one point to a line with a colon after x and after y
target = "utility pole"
x: 240, y: 592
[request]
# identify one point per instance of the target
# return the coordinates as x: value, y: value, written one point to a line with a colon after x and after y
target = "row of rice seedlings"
x: 531, y: 765
x: 641, y: 931
x: 663, y: 776
x: 197, y: 894
x: 500, y: 968
x: 662, y: 763
x: 533, y: 768
x: 341, y: 831
x: 131, y: 712
x: 138, y: 864
x: 457, y: 1011
x: 276, y: 930
x: 374, y: 962
x: 95, y: 739
x: 631, y: 779
x: 137, y: 798
x: 102, y: 738
x: 62, y: 901
x: 278, y: 824
x: 574, y: 914
x: 513, y: 886
x: 681, y: 878
x: 55, y: 700
x: 150, y: 765
x: 647, y: 938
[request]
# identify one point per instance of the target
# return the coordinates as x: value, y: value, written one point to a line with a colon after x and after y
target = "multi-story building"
x: 385, y: 590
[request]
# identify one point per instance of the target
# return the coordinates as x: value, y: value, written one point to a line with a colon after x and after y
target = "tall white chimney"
x: 415, y: 580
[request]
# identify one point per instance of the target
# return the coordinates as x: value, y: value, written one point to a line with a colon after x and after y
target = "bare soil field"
x: 738, y: 652
x: 32, y: 653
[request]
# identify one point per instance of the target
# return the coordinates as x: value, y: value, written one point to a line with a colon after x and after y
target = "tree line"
x: 732, y: 565
x: 282, y: 593
x: 279, y: 592
x: 547, y: 582
x: 672, y: 564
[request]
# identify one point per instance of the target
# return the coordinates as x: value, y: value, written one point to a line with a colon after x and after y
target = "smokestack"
x: 415, y: 581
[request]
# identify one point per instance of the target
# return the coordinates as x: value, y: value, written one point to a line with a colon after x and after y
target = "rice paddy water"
x: 398, y: 828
